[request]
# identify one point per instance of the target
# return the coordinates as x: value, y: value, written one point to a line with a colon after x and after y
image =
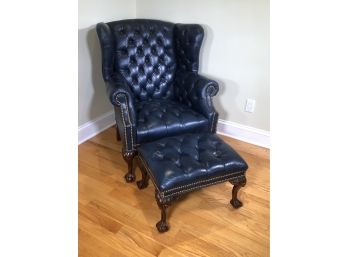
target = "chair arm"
x: 121, y: 97
x: 196, y: 91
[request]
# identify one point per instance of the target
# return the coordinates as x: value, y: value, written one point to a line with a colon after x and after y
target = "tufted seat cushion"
x: 183, y: 163
x: 163, y: 118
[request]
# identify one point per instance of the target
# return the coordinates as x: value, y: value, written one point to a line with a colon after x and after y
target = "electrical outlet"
x: 249, y: 105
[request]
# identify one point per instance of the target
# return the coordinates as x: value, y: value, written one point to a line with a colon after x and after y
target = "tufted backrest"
x: 142, y: 51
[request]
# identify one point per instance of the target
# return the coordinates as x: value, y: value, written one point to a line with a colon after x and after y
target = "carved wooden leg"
x: 237, y: 184
x: 118, y: 134
x: 144, y: 182
x: 162, y: 225
x: 128, y: 157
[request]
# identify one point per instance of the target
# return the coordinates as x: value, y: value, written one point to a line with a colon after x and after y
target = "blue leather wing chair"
x: 150, y: 68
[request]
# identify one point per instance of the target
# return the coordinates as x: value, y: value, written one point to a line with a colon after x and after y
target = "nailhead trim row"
x: 163, y: 193
x: 204, y: 185
x: 198, y: 182
x: 124, y: 123
x: 130, y: 123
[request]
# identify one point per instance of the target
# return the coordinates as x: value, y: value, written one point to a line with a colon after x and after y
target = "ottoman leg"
x: 144, y: 182
x: 237, y: 184
x: 162, y: 225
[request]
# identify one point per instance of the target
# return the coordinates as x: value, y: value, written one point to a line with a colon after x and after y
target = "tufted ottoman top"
x: 184, y: 163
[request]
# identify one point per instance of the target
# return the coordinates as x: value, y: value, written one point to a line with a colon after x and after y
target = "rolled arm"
x: 121, y: 97
x: 197, y: 91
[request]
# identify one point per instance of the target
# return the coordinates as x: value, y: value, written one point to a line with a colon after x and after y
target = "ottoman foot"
x: 236, y: 203
x: 237, y: 184
x: 163, y: 204
x: 162, y: 226
x: 142, y: 184
x: 128, y: 157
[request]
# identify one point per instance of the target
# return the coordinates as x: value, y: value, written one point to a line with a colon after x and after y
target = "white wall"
x: 92, y: 97
x: 235, y: 51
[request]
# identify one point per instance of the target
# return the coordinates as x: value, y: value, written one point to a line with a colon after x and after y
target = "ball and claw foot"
x: 236, y: 186
x: 236, y: 203
x: 130, y: 177
x: 162, y: 226
x: 142, y: 184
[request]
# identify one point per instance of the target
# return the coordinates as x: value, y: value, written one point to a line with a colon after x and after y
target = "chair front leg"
x: 128, y: 157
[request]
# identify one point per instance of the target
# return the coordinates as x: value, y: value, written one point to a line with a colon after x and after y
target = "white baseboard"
x: 94, y: 127
x: 244, y: 133
x: 231, y: 129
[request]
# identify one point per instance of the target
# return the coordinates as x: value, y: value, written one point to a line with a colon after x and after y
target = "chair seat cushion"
x: 162, y: 118
x: 187, y: 162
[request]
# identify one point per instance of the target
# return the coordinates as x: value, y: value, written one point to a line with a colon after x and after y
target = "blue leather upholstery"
x: 161, y: 118
x: 147, y: 62
x: 186, y: 162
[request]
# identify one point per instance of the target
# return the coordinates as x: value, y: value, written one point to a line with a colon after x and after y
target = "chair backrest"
x: 142, y: 51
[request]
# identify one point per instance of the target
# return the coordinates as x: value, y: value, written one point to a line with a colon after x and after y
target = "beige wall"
x: 235, y: 51
x: 92, y: 98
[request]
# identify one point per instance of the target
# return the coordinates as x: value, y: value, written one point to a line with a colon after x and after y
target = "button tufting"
x: 169, y: 111
x: 189, y: 167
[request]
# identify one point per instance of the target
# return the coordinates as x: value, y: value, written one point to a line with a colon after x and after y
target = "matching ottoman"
x: 178, y: 165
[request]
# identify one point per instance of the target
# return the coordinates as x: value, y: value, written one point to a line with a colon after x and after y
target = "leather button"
x: 131, y: 41
x: 133, y: 60
x: 139, y: 50
x: 153, y: 50
x: 122, y: 31
x: 124, y: 51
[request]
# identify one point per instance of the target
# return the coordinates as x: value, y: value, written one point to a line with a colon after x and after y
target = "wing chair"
x: 150, y: 68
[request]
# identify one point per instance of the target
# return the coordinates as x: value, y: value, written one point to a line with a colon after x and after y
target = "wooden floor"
x: 117, y: 219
